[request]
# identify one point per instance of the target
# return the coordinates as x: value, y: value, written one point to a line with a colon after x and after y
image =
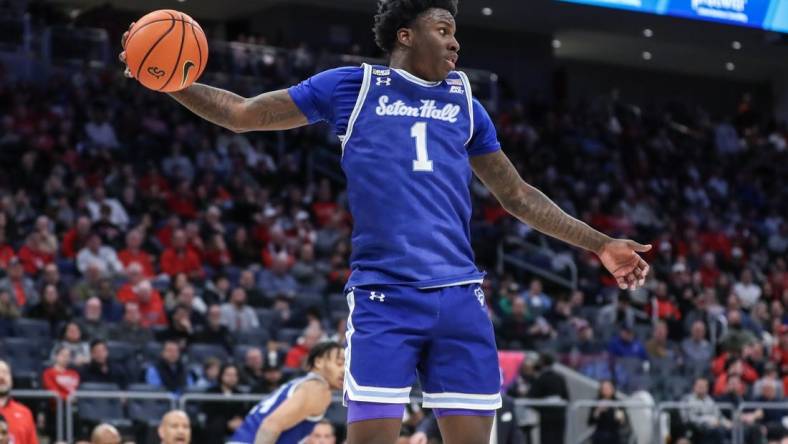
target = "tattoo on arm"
x: 265, y: 436
x: 530, y: 205
x: 269, y: 111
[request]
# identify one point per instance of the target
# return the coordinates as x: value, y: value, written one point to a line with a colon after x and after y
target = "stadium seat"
x: 239, y: 353
x: 147, y: 411
x: 266, y: 317
x: 288, y: 335
x: 32, y: 328
x: 663, y: 367
x: 337, y: 314
x: 643, y: 332
x: 677, y: 386
x: 151, y: 352
x: 24, y: 354
x: 310, y: 300
x: 198, y: 353
x: 337, y: 301
x: 95, y: 410
x: 336, y: 413
x: 254, y: 336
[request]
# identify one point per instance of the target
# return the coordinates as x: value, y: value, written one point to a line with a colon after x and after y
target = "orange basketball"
x: 166, y: 50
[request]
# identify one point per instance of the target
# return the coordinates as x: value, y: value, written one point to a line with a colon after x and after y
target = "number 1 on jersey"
x: 419, y: 132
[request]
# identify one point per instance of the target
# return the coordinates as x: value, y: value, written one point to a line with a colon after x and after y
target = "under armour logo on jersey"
x: 457, y: 90
x: 375, y: 296
x: 383, y: 81
x: 479, y: 295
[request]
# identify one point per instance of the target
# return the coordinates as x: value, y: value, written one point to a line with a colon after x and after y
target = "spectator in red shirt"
x: 709, y: 272
x: 324, y: 205
x: 6, y: 252
x: 150, y: 303
x: 76, y: 237
x: 662, y: 303
x: 21, y: 427
x: 297, y: 353
x: 780, y: 351
x: 165, y: 233
x: 180, y: 259
x: 34, y: 255
x: 133, y: 253
x: 60, y: 378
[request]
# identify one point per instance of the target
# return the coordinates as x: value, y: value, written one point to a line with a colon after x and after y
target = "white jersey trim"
x: 351, y: 303
x: 419, y: 81
x: 454, y: 284
x: 469, y: 95
x: 362, y: 97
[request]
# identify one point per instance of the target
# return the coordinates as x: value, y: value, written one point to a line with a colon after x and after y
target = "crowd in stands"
x: 142, y: 245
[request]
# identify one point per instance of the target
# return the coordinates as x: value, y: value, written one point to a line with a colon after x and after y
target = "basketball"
x: 166, y: 50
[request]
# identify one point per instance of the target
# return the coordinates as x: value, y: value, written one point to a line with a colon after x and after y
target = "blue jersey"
x: 295, y: 435
x: 406, y: 144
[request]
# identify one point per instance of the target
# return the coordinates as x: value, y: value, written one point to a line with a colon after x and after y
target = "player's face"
x: 332, y: 368
x: 434, y: 49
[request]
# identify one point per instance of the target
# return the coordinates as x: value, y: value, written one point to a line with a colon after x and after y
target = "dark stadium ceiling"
x: 584, y: 32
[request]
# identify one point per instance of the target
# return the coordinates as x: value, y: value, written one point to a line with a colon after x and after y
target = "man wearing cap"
x: 21, y: 427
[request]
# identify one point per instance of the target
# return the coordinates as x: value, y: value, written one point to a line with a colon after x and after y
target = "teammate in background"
x: 175, y: 428
x: 412, y: 135
x: 290, y: 414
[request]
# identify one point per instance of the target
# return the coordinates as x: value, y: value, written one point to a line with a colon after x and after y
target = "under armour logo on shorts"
x: 375, y: 296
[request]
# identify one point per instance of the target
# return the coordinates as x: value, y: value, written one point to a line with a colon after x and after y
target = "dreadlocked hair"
x: 395, y: 14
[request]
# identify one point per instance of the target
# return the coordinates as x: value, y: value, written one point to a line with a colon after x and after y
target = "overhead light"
x: 181, y: 1
x: 648, y: 33
x: 736, y: 45
x: 730, y: 66
x: 556, y: 43
x: 487, y: 11
x: 646, y: 55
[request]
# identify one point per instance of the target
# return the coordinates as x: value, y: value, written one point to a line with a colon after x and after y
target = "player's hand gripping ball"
x: 165, y: 50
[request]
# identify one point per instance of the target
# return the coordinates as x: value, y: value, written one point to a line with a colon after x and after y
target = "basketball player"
x: 412, y: 134
x: 289, y: 415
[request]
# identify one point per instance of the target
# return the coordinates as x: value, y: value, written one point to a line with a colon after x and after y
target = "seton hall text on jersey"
x: 427, y: 110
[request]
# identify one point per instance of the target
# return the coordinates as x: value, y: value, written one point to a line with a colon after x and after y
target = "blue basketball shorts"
x: 442, y: 335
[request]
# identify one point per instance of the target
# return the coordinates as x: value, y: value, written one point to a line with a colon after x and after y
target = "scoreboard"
x: 770, y: 15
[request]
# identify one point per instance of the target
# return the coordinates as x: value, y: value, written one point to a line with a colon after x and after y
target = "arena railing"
x: 575, y: 437
x: 739, y: 426
x: 65, y: 412
x: 663, y: 407
x: 119, y: 395
x: 534, y: 250
x: 47, y: 395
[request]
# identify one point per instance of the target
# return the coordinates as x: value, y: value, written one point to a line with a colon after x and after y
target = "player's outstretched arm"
x: 531, y: 206
x: 267, y: 112
x: 270, y: 111
x: 312, y: 398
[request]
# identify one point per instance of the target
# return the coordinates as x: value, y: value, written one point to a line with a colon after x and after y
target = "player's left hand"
x: 620, y: 257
